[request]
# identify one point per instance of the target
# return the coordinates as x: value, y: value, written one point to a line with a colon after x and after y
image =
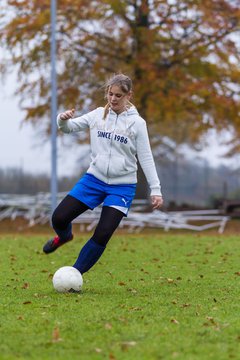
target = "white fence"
x: 36, y: 210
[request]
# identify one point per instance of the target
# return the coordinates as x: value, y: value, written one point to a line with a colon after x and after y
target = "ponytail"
x: 106, y: 108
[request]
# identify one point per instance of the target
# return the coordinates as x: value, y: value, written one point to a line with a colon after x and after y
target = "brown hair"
x: 123, y: 82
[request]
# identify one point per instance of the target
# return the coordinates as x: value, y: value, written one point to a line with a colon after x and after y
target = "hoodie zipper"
x: 110, y: 153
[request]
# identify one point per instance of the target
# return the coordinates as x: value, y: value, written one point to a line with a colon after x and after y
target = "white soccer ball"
x: 67, y: 279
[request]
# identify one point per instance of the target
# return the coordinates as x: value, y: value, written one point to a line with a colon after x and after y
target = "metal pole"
x: 53, y: 109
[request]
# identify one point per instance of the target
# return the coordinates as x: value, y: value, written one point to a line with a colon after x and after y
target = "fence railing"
x: 36, y: 210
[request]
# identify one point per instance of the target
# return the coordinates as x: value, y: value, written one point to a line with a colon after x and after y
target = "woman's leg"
x: 62, y: 217
x: 68, y: 209
x: 93, y: 249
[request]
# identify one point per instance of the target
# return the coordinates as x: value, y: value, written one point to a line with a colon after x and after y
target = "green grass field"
x: 152, y: 296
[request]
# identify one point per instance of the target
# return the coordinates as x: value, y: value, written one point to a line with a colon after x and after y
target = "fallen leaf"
x: 144, y: 271
x: 27, y: 302
x: 108, y: 326
x: 174, y: 321
x: 129, y: 343
x: 211, y: 322
x: 25, y: 286
x: 133, y: 291
x: 122, y: 319
x: 56, y: 335
x: 135, y: 308
x: 186, y: 305
x: 126, y: 344
x: 210, y: 318
x: 121, y: 283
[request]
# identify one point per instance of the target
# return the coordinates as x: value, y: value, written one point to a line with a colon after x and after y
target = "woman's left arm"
x: 147, y: 163
x: 157, y: 201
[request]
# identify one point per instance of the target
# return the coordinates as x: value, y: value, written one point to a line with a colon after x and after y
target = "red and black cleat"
x: 52, y: 244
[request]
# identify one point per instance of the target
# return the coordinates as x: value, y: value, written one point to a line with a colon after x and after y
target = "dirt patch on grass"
x: 21, y: 225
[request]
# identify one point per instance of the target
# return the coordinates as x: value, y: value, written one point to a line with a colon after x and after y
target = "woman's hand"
x: 157, y: 201
x: 67, y: 114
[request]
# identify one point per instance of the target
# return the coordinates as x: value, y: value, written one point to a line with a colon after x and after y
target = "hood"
x: 132, y: 111
x: 129, y: 112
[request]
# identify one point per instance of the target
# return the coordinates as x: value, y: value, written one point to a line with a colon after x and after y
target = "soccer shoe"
x: 52, y: 244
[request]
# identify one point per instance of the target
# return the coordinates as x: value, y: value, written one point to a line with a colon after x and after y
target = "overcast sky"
x: 19, y: 144
x: 22, y: 148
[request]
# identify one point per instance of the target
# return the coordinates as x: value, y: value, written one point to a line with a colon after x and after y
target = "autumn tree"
x: 182, y: 55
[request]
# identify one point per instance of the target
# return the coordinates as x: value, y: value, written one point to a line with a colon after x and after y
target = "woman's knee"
x: 58, y: 220
x: 102, y: 234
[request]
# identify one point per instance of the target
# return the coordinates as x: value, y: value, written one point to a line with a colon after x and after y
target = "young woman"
x: 117, y: 135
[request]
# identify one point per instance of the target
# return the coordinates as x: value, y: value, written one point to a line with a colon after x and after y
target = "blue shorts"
x: 93, y: 192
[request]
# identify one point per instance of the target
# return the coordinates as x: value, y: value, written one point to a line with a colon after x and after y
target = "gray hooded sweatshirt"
x: 116, y: 143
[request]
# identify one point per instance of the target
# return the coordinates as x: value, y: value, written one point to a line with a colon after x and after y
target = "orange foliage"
x: 182, y: 56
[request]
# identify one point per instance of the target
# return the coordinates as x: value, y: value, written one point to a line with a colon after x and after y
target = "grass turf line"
x: 150, y: 297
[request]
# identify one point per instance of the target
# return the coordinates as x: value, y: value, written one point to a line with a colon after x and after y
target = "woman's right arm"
x: 68, y: 124
x: 66, y: 115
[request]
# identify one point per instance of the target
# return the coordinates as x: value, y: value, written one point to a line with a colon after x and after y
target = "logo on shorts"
x: 125, y: 202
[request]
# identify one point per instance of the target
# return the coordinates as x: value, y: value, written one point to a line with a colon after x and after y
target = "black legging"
x: 70, y: 208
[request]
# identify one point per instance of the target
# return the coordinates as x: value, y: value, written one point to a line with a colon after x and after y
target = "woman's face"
x: 117, y: 99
